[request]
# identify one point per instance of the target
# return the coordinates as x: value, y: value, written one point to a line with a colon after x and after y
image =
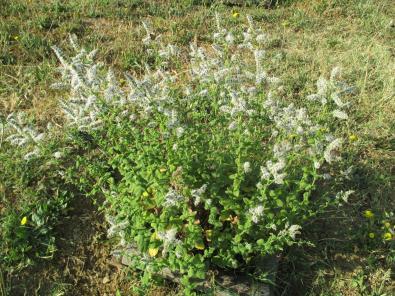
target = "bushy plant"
x: 207, y: 166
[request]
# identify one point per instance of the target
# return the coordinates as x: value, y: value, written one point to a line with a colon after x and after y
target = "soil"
x: 82, y: 264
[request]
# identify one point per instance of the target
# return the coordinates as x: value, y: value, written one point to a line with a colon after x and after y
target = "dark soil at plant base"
x: 82, y: 264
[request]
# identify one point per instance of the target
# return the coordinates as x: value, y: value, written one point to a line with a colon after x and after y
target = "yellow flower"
x: 387, y: 236
x: 353, y: 138
x: 145, y: 194
x: 235, y: 14
x: 199, y: 246
x: 153, y: 251
x: 368, y: 214
x: 387, y: 224
x: 16, y: 37
x: 162, y: 170
x: 371, y: 235
x: 24, y: 220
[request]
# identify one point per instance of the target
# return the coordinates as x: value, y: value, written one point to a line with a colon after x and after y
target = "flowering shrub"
x: 204, y: 168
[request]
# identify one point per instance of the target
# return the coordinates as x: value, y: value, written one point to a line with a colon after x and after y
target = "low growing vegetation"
x: 209, y: 155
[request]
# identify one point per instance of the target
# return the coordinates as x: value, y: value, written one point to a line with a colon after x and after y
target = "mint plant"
x: 205, y: 168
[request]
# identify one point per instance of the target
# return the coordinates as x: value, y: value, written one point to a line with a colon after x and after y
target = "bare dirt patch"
x: 82, y: 264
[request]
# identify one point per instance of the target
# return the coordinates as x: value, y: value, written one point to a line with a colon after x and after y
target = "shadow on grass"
x: 344, y: 258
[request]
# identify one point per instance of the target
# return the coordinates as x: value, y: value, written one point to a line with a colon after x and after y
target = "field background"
x: 312, y: 36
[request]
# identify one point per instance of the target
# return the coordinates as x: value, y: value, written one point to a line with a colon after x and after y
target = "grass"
x: 312, y: 37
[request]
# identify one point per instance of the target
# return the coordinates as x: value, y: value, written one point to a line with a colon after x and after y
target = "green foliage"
x: 206, y: 171
x: 34, y: 197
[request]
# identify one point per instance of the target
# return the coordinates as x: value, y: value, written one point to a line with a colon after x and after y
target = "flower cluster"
x: 333, y: 90
x: 22, y: 134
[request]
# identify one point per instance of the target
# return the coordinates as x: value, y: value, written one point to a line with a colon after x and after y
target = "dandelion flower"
x: 368, y: 214
x: 235, y: 14
x: 387, y: 236
x: 24, y: 220
x: 353, y: 138
x: 371, y: 235
x: 153, y: 252
x: 199, y: 246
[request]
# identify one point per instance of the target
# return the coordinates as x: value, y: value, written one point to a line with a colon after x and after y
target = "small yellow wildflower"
x: 16, y: 37
x: 199, y: 246
x: 235, y: 14
x: 353, y: 138
x: 145, y: 194
x: 368, y: 214
x: 371, y: 235
x: 24, y: 220
x: 153, y: 252
x: 162, y: 170
x: 387, y: 224
x: 387, y: 236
